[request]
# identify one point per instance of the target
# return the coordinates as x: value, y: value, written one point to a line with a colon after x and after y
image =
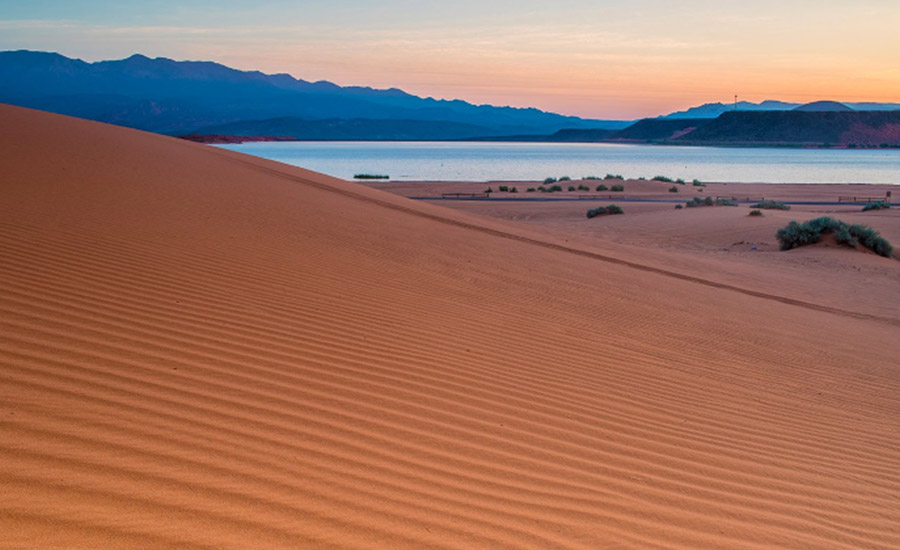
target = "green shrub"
x: 617, y: 187
x: 708, y: 201
x: 673, y: 189
x: 571, y: 188
x: 530, y: 190
x: 503, y: 189
x: 698, y: 183
x: 613, y: 177
x: 590, y: 178
x: 489, y: 190
x: 662, y: 179
x: 513, y: 190
x: 602, y: 187
x: 371, y: 176
x: 756, y: 213
x: 583, y: 187
x: 549, y: 181
x: 555, y: 188
x: 877, y: 205
x: 678, y: 207
x: 680, y: 181
x: 565, y: 178
x: 542, y: 189
x: 771, y: 205
x: 811, y: 231
x: 604, y: 211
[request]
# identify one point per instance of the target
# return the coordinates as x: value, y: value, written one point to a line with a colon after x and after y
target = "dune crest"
x: 205, y: 350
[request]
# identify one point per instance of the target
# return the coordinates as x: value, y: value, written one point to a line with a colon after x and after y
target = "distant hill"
x: 180, y: 97
x: 824, y: 107
x: 799, y: 128
x: 712, y: 110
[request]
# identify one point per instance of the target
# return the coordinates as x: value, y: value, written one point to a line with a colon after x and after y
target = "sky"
x: 610, y: 59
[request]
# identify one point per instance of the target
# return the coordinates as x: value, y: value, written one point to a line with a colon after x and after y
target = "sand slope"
x: 199, y: 349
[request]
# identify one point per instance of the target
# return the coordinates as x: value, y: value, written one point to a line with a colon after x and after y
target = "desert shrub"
x: 698, y: 183
x: 371, y: 176
x: 548, y: 181
x: 571, y: 188
x: 504, y: 189
x: 590, y: 178
x: 583, y: 187
x: 678, y: 207
x: 602, y: 187
x: 613, y: 177
x: 877, y: 205
x: 811, y: 231
x: 488, y: 190
x: 565, y: 178
x: 617, y: 187
x: 662, y: 179
x: 756, y: 213
x: 771, y: 205
x: 642, y: 178
x: 680, y: 181
x: 697, y: 201
x: 673, y: 189
x: 708, y: 201
x: 604, y: 211
x: 555, y: 188
x: 542, y: 189
x: 530, y: 190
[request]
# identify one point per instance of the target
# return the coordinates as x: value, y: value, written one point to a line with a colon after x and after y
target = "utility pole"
x: 735, y: 102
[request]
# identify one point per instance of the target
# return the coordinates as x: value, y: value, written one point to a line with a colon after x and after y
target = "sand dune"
x: 202, y: 349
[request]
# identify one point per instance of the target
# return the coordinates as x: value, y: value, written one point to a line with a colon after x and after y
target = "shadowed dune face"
x: 201, y: 349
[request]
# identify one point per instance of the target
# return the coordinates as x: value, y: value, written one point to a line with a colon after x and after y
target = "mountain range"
x: 178, y: 97
x: 209, y: 99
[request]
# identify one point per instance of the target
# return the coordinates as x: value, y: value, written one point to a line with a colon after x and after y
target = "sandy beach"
x: 201, y: 349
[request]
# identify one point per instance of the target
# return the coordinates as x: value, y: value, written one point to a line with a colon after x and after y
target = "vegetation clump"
x: 548, y: 181
x: 678, y: 207
x: 673, y: 189
x: 771, y: 205
x: 565, y: 178
x: 756, y: 213
x: 698, y: 183
x: 371, y: 176
x: 709, y: 201
x: 811, y: 231
x: 571, y: 188
x: 617, y: 187
x: 613, y: 177
x: 590, y: 178
x: 604, y: 211
x: 877, y: 205
x: 582, y: 187
x: 680, y: 181
x: 504, y: 189
x: 602, y: 187
x: 488, y: 191
x: 663, y: 179
x: 530, y: 190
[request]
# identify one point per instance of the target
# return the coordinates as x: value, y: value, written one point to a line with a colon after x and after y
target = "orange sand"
x: 200, y: 349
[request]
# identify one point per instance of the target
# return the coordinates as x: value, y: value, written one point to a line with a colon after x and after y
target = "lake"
x: 477, y: 161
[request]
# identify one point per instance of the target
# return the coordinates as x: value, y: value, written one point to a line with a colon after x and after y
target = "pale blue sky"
x: 610, y: 59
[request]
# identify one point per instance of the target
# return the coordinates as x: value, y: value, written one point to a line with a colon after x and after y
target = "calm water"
x: 454, y: 161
